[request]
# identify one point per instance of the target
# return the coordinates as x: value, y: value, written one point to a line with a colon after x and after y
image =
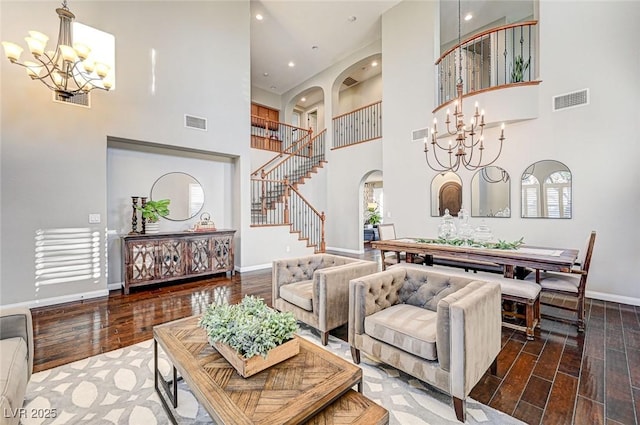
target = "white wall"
x: 54, y: 157
x: 597, y: 142
x: 362, y: 94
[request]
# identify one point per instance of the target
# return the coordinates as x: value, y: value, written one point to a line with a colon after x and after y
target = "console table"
x: 164, y: 257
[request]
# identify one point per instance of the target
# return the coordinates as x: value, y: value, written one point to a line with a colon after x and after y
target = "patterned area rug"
x: 117, y: 388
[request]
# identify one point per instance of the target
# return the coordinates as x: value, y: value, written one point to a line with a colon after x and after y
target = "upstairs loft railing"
x: 497, y: 57
x: 276, y: 136
x: 296, y: 164
x: 358, y: 126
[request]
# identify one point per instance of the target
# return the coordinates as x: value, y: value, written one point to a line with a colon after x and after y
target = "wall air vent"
x: 349, y: 81
x: 571, y: 100
x: 81, y: 99
x: 420, y: 135
x: 195, y: 122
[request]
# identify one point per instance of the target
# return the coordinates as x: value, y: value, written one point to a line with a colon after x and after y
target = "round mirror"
x: 184, y: 192
x: 546, y: 190
x: 446, y: 193
x: 490, y: 193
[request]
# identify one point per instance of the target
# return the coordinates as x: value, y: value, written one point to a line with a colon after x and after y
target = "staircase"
x: 275, y: 199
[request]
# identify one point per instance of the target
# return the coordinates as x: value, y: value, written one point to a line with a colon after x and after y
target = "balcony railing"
x: 360, y: 125
x: 275, y: 136
x: 497, y: 57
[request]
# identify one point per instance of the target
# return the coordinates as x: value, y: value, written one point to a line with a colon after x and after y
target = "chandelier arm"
x: 434, y: 142
x: 452, y: 166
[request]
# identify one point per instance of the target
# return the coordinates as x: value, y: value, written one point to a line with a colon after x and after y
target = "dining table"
x: 514, y: 261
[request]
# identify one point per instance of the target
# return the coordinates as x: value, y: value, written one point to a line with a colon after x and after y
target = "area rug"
x: 117, y: 388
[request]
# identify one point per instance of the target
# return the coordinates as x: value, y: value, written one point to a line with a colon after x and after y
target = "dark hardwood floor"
x: 562, y: 377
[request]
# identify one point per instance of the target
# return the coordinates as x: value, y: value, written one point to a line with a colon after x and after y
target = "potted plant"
x: 519, y: 68
x: 250, y: 335
x: 373, y: 216
x: 152, y: 211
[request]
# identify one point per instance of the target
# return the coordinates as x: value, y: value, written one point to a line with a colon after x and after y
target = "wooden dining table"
x: 513, y: 261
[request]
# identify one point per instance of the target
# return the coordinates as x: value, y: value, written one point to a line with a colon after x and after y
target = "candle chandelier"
x: 468, y: 146
x: 69, y: 69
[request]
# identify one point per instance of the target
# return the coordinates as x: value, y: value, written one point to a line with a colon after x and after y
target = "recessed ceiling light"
x: 265, y: 74
x: 468, y: 17
x: 352, y: 18
x: 304, y: 99
x: 314, y: 47
x: 259, y: 17
x: 291, y: 64
x: 273, y: 87
x: 374, y: 63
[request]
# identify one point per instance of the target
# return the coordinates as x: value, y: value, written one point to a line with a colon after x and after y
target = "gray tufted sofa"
x: 316, y: 288
x: 16, y: 361
x: 442, y: 329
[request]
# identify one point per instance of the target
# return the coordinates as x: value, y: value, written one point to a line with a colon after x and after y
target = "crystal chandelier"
x: 68, y: 69
x: 468, y: 146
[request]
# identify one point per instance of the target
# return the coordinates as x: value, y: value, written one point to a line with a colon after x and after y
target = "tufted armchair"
x: 316, y: 288
x: 442, y: 329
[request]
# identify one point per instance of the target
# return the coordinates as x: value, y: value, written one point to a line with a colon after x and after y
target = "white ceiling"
x: 291, y: 28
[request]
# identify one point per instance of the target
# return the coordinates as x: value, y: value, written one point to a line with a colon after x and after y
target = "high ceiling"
x: 290, y: 29
x: 314, y: 34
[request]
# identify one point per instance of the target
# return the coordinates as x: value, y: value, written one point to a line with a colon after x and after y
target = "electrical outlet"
x: 94, y: 218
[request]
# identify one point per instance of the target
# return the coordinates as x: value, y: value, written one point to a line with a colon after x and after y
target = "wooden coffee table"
x: 312, y: 386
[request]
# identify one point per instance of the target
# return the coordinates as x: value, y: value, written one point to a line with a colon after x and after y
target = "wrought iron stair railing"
x: 275, y: 199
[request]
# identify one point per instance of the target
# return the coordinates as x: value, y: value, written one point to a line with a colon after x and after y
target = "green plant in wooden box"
x: 250, y: 327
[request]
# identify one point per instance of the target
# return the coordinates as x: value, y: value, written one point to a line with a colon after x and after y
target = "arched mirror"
x: 446, y: 193
x: 184, y: 192
x: 546, y: 190
x: 490, y: 193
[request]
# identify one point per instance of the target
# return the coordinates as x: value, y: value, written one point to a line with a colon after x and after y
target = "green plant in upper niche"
x: 250, y: 327
x: 153, y: 210
x: 518, y: 69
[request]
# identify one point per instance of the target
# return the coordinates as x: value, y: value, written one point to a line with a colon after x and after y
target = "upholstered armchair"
x: 16, y: 361
x: 442, y: 329
x: 316, y: 288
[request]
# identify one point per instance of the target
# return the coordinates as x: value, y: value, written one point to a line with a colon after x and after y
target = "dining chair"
x: 571, y: 284
x: 387, y: 232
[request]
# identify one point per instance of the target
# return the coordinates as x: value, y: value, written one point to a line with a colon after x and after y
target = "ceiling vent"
x: 80, y: 99
x: 571, y: 100
x: 349, y: 81
x: 195, y: 122
x: 420, y: 135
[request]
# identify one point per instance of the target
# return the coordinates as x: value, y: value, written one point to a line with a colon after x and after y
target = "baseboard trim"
x: 253, y: 268
x: 115, y: 286
x: 612, y: 297
x: 348, y: 251
x: 60, y: 300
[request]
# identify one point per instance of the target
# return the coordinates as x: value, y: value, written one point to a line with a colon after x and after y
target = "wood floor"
x: 561, y: 377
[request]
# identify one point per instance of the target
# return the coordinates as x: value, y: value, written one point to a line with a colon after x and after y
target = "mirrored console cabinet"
x: 164, y: 257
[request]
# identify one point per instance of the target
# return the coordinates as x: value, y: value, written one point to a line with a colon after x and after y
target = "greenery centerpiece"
x: 500, y: 244
x: 250, y: 335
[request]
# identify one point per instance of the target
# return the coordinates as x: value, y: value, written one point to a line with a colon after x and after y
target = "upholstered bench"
x: 521, y: 292
x: 514, y: 291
